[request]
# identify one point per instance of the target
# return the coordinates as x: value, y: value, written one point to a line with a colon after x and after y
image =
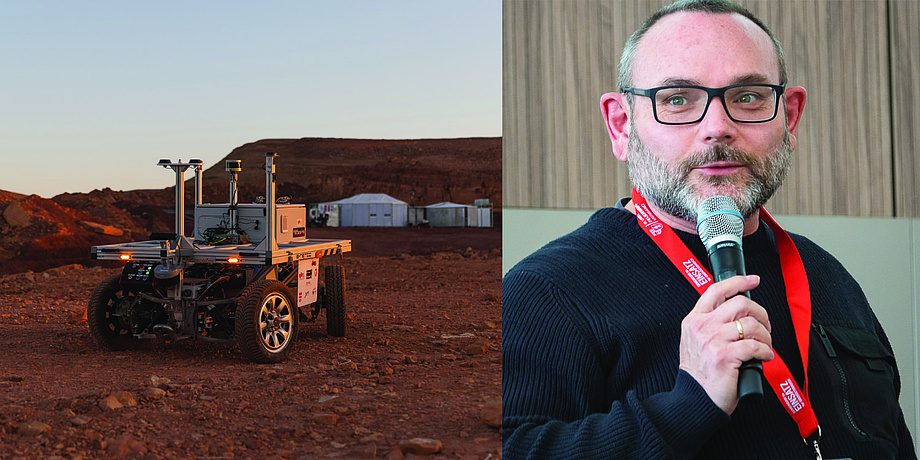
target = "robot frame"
x: 248, y: 275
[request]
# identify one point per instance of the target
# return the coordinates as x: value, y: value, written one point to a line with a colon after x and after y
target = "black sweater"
x: 591, y: 328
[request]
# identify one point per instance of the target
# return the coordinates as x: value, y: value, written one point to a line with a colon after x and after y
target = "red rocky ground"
x: 418, y: 374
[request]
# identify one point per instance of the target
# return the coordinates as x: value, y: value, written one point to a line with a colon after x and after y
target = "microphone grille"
x: 717, y: 216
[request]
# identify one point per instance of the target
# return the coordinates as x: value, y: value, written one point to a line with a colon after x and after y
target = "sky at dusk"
x: 94, y: 93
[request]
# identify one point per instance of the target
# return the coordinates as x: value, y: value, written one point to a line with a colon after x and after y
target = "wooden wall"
x: 859, y: 60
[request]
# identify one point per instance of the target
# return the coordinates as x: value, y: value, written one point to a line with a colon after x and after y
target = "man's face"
x: 672, y: 190
x: 677, y: 167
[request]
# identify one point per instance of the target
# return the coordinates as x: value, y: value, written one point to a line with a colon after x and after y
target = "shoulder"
x: 818, y: 262
x: 596, y: 276
x: 836, y: 295
x: 573, y: 275
x: 607, y: 232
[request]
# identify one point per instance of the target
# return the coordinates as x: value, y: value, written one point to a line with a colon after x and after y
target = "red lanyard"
x: 777, y: 374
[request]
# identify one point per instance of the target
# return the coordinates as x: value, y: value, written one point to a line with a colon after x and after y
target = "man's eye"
x: 748, y: 98
x: 677, y: 100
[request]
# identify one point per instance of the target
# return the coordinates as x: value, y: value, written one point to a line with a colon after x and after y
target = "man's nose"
x: 716, y: 127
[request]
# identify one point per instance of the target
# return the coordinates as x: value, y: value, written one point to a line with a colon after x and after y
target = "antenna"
x: 234, y: 167
x: 271, y: 244
x: 180, y: 167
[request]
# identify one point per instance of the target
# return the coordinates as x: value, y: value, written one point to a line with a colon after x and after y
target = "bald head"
x: 694, y: 48
x: 675, y: 15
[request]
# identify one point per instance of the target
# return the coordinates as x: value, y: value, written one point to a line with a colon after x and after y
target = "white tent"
x: 372, y: 210
x: 448, y: 214
x: 458, y: 215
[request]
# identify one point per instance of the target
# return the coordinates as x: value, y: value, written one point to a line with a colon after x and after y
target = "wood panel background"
x: 905, y: 78
x: 859, y: 60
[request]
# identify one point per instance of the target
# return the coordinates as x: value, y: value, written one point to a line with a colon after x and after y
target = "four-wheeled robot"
x: 248, y: 275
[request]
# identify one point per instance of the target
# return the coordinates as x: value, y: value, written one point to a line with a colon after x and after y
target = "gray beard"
x: 671, y: 191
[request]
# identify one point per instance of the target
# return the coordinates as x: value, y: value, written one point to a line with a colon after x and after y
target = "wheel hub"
x: 276, y: 322
x: 273, y: 321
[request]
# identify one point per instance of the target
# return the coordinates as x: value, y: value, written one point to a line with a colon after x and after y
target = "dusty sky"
x: 93, y: 93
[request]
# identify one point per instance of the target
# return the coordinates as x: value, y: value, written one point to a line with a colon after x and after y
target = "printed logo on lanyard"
x: 692, y: 270
x: 649, y: 219
x: 791, y: 396
x: 696, y: 274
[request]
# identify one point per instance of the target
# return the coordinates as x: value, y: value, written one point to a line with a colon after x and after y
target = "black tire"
x: 266, y: 321
x: 334, y: 300
x: 107, y: 329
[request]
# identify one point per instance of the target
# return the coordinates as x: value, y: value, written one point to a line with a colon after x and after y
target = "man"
x: 610, y: 351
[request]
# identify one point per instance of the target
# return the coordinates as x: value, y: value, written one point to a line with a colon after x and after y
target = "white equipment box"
x: 290, y: 225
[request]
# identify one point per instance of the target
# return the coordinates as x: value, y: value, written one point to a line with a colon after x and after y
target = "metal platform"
x: 249, y: 254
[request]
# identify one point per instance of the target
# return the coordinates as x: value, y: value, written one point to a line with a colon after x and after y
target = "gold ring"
x: 740, y: 330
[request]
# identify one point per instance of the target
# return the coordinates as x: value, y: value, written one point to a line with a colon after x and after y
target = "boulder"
x: 15, y: 216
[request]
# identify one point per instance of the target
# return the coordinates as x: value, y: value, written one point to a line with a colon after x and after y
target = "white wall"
x: 882, y: 254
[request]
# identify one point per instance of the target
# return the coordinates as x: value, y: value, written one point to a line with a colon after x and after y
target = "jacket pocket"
x: 865, y: 379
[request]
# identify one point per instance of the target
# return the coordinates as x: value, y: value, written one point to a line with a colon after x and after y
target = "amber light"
x: 233, y: 260
x: 125, y: 257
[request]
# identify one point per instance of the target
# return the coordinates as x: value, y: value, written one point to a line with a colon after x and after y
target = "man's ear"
x: 615, y: 109
x: 794, y: 97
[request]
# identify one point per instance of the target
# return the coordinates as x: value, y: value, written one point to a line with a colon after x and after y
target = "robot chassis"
x: 248, y: 275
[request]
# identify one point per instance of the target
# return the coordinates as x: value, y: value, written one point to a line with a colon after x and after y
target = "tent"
x: 458, y: 215
x: 447, y: 214
x: 371, y: 210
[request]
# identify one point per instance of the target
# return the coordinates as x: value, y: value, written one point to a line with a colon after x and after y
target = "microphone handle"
x: 727, y: 260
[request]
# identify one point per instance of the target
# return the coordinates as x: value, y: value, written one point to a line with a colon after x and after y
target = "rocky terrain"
x: 418, y: 374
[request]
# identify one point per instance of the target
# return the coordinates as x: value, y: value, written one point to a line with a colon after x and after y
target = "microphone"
x: 720, y: 226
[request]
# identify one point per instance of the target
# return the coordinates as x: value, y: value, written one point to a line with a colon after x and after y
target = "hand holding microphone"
x: 720, y: 227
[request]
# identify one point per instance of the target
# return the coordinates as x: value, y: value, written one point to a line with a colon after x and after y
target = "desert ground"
x: 418, y: 374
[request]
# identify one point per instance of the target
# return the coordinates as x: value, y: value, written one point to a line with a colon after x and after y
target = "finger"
x: 719, y: 292
x: 746, y: 350
x: 738, y: 327
x: 742, y: 307
x: 746, y: 328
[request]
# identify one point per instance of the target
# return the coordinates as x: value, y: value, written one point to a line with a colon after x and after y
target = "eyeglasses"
x: 685, y: 105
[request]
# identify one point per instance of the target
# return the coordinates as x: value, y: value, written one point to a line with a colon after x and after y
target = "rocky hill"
x: 419, y: 172
x: 38, y: 233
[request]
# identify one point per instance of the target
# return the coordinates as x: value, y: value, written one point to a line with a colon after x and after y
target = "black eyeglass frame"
x: 710, y: 93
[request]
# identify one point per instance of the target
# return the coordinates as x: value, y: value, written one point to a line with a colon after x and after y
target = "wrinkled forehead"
x: 706, y: 49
